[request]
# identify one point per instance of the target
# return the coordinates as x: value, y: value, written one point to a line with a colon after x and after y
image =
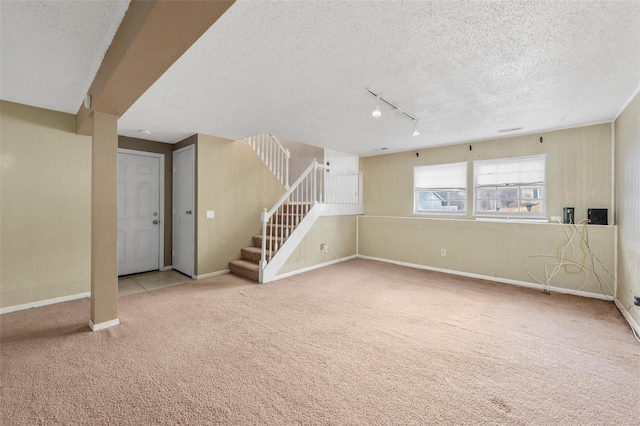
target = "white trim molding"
x: 103, y: 325
x: 46, y: 302
x: 167, y: 268
x: 495, y: 279
x: 312, y: 267
x: 210, y: 274
x: 632, y: 322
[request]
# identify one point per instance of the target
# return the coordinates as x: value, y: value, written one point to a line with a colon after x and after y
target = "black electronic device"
x: 568, y: 215
x: 598, y: 216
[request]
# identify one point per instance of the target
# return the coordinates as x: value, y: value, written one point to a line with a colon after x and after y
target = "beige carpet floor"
x: 356, y: 343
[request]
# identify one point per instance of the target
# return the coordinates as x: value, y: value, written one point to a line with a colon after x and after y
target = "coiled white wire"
x: 564, y: 262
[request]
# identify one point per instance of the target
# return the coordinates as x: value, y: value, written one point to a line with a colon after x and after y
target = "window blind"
x: 510, y: 171
x: 440, y: 176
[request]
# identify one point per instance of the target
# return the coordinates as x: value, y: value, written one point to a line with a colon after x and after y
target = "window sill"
x: 442, y: 213
x: 513, y: 219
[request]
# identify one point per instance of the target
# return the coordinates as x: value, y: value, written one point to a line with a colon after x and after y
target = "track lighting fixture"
x: 376, y: 112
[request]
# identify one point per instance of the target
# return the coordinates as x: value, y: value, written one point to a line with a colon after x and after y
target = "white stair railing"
x: 339, y: 186
x: 317, y: 184
x: 274, y: 155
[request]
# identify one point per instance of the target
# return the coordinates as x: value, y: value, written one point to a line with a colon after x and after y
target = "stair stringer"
x: 288, y: 247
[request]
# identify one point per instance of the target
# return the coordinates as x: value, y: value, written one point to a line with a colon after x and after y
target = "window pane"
x: 507, y: 199
x: 516, y: 184
x: 457, y: 195
x: 424, y: 195
x: 486, y: 206
x: 425, y: 205
x: 486, y: 194
x: 531, y: 192
x: 440, y: 188
x: 531, y: 206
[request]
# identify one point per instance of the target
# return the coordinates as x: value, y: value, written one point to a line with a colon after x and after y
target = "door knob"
x: 188, y: 211
x: 155, y: 222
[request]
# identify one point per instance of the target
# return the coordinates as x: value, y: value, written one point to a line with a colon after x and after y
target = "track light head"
x: 416, y: 133
x: 415, y: 128
x: 376, y: 112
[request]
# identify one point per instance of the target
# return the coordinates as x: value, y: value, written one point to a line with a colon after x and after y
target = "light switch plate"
x: 210, y: 214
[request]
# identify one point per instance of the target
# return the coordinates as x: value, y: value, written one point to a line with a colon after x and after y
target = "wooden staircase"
x: 278, y: 230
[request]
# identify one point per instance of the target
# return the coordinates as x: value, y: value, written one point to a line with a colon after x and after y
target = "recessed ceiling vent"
x: 512, y: 129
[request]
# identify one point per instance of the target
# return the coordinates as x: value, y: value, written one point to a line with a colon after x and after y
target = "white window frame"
x: 416, y: 211
x: 519, y: 185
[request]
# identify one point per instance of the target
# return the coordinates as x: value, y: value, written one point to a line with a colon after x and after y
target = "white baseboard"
x: 211, y: 274
x: 311, y: 268
x: 495, y: 279
x: 103, y: 325
x: 632, y: 322
x: 44, y: 303
x: 167, y: 268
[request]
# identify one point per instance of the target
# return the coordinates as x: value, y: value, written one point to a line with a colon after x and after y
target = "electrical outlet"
x: 443, y: 252
x: 324, y: 248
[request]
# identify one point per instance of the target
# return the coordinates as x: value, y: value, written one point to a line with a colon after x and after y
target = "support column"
x: 104, y: 221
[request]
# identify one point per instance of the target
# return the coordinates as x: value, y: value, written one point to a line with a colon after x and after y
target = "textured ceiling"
x: 300, y: 69
x: 465, y: 69
x: 50, y: 51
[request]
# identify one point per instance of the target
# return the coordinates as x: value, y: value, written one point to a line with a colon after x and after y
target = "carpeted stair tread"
x: 271, y: 241
x: 254, y: 254
x: 245, y: 269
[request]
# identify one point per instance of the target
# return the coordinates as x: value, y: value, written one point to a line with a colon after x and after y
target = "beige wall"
x: 46, y: 205
x: 166, y: 150
x: 339, y: 232
x: 578, y: 170
x: 236, y: 185
x: 627, y: 184
x: 301, y: 157
x: 578, y: 175
x: 484, y: 248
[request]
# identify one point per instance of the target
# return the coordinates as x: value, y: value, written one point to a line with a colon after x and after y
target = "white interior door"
x: 138, y: 213
x: 184, y: 210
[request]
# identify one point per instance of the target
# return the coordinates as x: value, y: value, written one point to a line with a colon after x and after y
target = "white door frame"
x: 195, y: 200
x: 161, y: 265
